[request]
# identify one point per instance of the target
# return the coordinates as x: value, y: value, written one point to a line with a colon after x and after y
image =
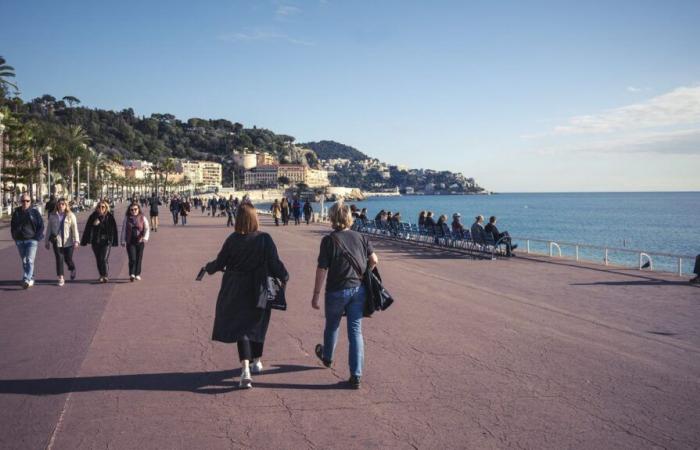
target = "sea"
x: 658, y: 223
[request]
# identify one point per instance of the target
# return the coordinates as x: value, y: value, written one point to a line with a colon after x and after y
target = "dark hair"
x: 492, y: 219
x: 128, y: 210
x: 246, y: 219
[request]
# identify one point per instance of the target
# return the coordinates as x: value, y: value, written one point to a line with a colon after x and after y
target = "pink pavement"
x: 524, y: 352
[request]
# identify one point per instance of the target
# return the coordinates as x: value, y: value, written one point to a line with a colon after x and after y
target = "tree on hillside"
x: 284, y: 181
x: 72, y: 101
x: 72, y: 144
x: 6, y: 71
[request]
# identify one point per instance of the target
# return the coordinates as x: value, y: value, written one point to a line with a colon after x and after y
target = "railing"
x: 645, y: 258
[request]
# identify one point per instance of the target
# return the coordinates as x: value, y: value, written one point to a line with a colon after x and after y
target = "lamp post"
x: 48, y: 170
x: 77, y: 187
x: 87, y: 194
x: 2, y: 155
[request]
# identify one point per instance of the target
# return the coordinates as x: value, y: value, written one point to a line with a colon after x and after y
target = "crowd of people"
x: 291, y: 209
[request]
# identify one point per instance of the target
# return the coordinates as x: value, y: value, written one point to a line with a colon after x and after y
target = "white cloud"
x: 680, y: 142
x: 286, y: 10
x: 634, y: 89
x: 263, y: 35
x: 678, y: 107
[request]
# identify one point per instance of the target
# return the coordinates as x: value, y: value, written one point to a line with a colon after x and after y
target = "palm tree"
x: 167, y: 167
x: 73, y: 145
x: 5, y: 73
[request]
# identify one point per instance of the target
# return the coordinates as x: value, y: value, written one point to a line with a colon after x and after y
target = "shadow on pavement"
x: 217, y: 382
x: 636, y: 283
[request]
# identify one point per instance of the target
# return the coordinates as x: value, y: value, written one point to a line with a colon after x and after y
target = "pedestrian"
x: 203, y: 205
x: 296, y: 211
x: 308, y: 210
x: 135, y: 234
x: 62, y: 233
x: 345, y: 293
x: 184, y: 211
x: 154, y: 203
x: 175, y: 209
x: 27, y: 229
x: 276, y: 210
x: 285, y: 211
x: 237, y: 317
x: 51, y: 204
x: 101, y: 232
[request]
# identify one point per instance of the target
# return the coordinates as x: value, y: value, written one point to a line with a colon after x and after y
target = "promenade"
x: 517, y: 353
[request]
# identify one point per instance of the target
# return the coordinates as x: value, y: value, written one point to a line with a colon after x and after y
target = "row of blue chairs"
x: 437, y: 235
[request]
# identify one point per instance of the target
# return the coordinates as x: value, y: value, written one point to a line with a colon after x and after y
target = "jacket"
x: 66, y: 235
x: 477, y: 232
x: 106, y: 228
x: 125, y: 233
x: 18, y: 216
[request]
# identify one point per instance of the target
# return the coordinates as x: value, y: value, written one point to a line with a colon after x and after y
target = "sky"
x: 525, y: 96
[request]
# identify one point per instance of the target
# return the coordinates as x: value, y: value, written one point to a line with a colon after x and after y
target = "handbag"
x: 377, y: 297
x: 271, y: 290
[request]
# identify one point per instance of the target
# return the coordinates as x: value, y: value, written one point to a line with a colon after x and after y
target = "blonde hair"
x: 62, y: 200
x: 102, y: 202
x: 340, y: 216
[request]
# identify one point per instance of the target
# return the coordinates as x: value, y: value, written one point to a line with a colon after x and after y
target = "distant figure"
x: 421, y: 219
x: 379, y: 215
x: 62, y: 233
x: 230, y: 211
x: 457, y: 226
x: 505, y: 237
x: 441, y: 220
x: 429, y: 222
x: 276, y: 210
x: 135, y: 233
x: 184, y: 211
x: 154, y: 203
x: 696, y: 271
x: 51, y: 204
x: 285, y: 211
x: 27, y: 229
x: 296, y: 211
x: 175, y: 209
x: 237, y: 318
x: 308, y: 210
x: 478, y: 230
x: 363, y: 214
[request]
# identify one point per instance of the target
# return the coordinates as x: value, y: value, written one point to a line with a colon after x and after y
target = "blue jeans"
x: 27, y: 251
x: 183, y: 220
x: 352, y: 301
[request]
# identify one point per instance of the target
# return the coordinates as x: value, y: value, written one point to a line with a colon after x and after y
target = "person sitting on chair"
x: 505, y: 237
x: 477, y: 230
x: 696, y: 271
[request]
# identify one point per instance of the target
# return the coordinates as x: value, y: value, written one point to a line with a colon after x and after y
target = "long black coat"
x: 107, y: 227
x: 237, y: 315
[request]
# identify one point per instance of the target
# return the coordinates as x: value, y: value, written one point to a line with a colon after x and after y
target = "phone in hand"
x: 201, y: 274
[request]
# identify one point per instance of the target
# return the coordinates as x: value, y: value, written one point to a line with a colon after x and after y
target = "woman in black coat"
x: 237, y: 318
x: 101, y: 232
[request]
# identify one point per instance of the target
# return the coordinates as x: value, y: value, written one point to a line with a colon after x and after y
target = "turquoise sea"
x: 661, y: 222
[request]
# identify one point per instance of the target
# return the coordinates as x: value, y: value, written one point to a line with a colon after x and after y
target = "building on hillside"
x: 245, y: 160
x: 261, y: 176
x: 296, y: 173
x: 317, y: 178
x: 207, y: 173
x: 211, y: 173
x: 266, y: 159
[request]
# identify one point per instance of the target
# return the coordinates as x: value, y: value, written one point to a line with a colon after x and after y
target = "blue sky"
x: 524, y: 96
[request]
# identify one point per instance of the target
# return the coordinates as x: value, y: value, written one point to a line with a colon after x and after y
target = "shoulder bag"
x: 270, y: 290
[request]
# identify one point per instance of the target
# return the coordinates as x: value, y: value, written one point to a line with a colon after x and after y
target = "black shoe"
x: 319, y: 354
x: 695, y: 280
x: 514, y: 246
x: 354, y: 382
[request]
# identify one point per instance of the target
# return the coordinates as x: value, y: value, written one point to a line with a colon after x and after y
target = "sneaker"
x: 25, y: 284
x: 73, y: 274
x: 30, y: 283
x: 132, y: 278
x: 354, y: 381
x: 319, y: 354
x: 246, y: 380
x: 61, y: 281
x: 256, y: 367
x: 138, y: 277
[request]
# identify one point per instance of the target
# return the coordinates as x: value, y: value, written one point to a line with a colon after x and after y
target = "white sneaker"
x: 246, y: 380
x: 30, y: 283
x: 61, y: 281
x: 138, y: 277
x: 132, y: 278
x: 256, y: 367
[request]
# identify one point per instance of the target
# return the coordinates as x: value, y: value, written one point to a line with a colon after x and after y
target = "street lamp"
x: 48, y: 170
x: 77, y: 188
x: 2, y: 155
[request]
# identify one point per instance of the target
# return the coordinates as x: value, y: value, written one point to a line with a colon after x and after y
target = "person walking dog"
x: 101, y: 232
x: 344, y: 290
x: 27, y: 229
x: 63, y: 236
x: 135, y: 234
x: 237, y: 318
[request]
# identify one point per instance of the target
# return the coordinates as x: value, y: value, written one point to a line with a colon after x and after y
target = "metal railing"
x: 645, y: 258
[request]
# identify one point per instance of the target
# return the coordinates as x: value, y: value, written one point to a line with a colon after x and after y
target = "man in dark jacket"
x: 51, y: 204
x: 505, y: 237
x: 175, y: 209
x: 27, y: 227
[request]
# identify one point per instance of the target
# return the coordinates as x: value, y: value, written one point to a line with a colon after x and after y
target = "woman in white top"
x: 63, y: 235
x: 135, y: 233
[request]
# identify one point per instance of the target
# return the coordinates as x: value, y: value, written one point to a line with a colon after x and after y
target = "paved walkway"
x: 521, y: 353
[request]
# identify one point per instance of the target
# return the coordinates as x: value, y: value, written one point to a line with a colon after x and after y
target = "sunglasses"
x: 101, y: 207
x: 134, y: 209
x: 26, y: 201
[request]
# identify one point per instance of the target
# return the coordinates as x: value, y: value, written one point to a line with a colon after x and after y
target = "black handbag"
x: 271, y: 290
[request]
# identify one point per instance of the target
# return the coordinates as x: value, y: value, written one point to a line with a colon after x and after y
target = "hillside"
x: 334, y: 150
